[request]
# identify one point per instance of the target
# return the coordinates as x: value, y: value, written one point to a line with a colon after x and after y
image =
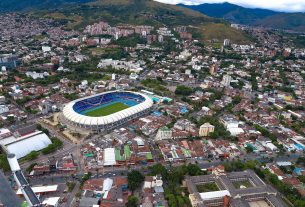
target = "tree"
x: 86, y: 177
x: 10, y: 119
x: 135, y: 179
x: 30, y: 168
x: 56, y: 144
x: 32, y: 155
x: 183, y: 90
x: 301, y: 160
x: 158, y: 169
x: 44, y: 130
x: 193, y: 170
x: 132, y: 201
x: 4, y: 163
x: 172, y: 200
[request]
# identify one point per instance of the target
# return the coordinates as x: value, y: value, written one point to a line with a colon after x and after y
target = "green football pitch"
x: 107, y: 110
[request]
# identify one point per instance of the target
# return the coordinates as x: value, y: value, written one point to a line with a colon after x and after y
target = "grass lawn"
x: 207, y: 187
x: 107, y: 110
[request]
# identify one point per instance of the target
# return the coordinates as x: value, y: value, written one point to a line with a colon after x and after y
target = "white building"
x: 113, y: 76
x: 164, y: 133
x: 133, y: 76
x: 83, y: 85
x: 3, y: 109
x: 164, y: 32
x: 226, y: 80
x: 121, y: 65
x: 206, y: 129
x: 46, y: 48
x: 2, y: 99
x: 36, y: 75
x: 188, y: 72
x: 214, y: 195
x: 226, y: 42
x: 233, y: 127
x: 234, y: 131
x: 51, y: 202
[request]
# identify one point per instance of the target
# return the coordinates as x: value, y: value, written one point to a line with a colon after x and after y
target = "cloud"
x: 277, y: 5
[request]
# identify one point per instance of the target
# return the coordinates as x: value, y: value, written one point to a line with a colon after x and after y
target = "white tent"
x: 22, y: 146
x: 109, y: 156
x: 107, y: 184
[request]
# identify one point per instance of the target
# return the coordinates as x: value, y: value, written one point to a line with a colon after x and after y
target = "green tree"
x: 132, y: 201
x: 158, y: 169
x: 135, y: 179
x: 30, y: 168
x: 183, y: 90
x: 86, y: 177
x: 44, y: 130
x: 193, y: 170
x: 32, y: 155
x: 10, y: 119
x: 56, y: 144
x: 4, y: 163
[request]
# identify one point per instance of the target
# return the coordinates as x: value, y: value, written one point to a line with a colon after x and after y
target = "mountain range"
x: 120, y: 10
x: 76, y: 14
x: 253, y: 17
x: 171, y: 13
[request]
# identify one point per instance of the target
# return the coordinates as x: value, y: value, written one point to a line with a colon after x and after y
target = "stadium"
x: 106, y: 110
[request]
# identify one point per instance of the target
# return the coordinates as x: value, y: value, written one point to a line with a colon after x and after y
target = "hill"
x: 123, y: 11
x: 292, y: 21
x: 79, y: 13
x: 154, y: 13
x: 132, y: 12
x: 220, y: 31
x: 232, y: 12
x: 254, y: 17
x: 28, y: 5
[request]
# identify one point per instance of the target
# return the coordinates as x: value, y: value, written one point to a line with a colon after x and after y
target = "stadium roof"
x: 78, y: 118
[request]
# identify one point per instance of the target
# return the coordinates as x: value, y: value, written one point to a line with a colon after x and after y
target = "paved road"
x: 7, y: 195
x: 71, y: 198
x: 68, y: 147
x: 44, y: 158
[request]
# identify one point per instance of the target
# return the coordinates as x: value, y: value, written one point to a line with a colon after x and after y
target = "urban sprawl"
x: 187, y: 123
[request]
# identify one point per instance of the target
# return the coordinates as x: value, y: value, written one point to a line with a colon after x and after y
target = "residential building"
x: 226, y: 80
x: 206, y: 129
x: 164, y: 133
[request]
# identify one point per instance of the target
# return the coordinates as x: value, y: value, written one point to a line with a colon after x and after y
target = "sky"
x: 277, y: 5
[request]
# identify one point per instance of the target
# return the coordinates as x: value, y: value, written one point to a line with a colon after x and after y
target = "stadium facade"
x: 80, y: 113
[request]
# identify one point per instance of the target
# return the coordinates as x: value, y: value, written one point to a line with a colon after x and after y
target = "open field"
x: 221, y: 31
x: 107, y: 110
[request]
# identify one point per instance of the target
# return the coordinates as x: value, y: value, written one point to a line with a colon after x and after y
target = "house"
x: 206, y: 129
x: 164, y: 133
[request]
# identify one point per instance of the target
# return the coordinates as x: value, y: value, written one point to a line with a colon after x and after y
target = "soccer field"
x: 107, y: 110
